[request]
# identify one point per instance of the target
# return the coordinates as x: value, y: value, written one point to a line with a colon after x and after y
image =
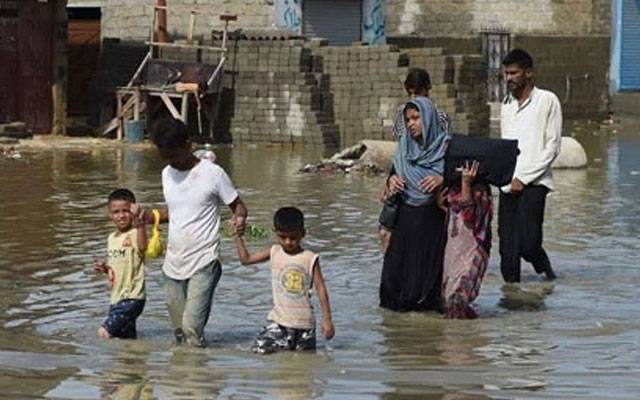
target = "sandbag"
x: 497, y: 158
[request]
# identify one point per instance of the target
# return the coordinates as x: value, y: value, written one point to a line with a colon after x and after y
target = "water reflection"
x: 127, y: 378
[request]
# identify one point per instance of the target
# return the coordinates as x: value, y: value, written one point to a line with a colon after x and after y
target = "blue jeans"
x: 189, y: 303
x: 121, y: 321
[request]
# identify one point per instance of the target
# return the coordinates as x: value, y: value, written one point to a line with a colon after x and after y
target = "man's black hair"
x: 122, y: 194
x: 288, y: 219
x: 417, y: 79
x: 168, y: 133
x: 520, y: 58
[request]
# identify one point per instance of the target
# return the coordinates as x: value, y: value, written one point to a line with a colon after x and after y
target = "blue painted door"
x: 630, y: 45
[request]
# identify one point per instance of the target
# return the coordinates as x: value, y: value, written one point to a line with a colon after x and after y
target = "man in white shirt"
x: 193, y: 189
x: 532, y: 116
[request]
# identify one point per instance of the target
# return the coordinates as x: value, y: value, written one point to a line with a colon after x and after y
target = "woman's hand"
x: 431, y: 183
x: 395, y: 184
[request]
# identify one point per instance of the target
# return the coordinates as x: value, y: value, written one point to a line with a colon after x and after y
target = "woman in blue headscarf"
x: 412, y: 270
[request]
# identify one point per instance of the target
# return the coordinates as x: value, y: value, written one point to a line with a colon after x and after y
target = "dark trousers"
x: 520, y: 220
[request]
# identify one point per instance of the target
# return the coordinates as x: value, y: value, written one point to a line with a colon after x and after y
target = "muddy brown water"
x: 581, y: 342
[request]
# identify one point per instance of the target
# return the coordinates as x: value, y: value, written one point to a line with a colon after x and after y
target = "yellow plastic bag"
x: 155, y: 247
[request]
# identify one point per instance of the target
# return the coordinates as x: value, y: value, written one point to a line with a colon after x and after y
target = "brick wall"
x: 467, y: 17
x: 131, y: 20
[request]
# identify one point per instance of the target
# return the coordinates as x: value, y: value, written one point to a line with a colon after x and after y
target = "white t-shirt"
x: 193, y: 198
x: 537, y: 126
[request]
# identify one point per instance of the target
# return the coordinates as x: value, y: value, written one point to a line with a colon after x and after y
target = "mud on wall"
x: 467, y: 17
x: 131, y: 19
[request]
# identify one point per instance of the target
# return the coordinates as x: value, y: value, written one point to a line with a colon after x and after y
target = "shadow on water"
x: 53, y: 224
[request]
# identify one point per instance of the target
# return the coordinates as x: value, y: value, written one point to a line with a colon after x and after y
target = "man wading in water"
x: 533, y: 117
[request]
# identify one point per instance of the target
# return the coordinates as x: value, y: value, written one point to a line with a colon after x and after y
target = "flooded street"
x: 582, y: 343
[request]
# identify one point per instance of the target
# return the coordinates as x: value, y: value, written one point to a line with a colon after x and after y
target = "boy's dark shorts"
x: 121, y: 321
x: 275, y: 337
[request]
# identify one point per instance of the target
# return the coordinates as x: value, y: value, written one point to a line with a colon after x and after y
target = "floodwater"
x: 580, y: 343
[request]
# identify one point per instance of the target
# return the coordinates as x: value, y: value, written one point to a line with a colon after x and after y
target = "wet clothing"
x: 189, y: 302
x: 467, y: 251
x: 412, y: 270
x: 412, y: 267
x: 127, y: 263
x: 537, y: 126
x: 193, y: 199
x: 291, y: 284
x: 191, y: 268
x: 121, y: 321
x: 275, y: 337
x: 520, y: 220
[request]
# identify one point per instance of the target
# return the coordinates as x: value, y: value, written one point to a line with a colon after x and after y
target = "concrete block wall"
x: 131, y: 19
x: 467, y: 17
x: 292, y: 91
x: 272, y: 96
x: 367, y: 84
x: 458, y: 87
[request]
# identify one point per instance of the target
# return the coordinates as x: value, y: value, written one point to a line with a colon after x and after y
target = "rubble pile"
x: 367, y: 156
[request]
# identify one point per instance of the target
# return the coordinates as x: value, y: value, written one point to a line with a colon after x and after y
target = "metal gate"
x: 630, y: 45
x: 339, y: 21
x: 496, y: 43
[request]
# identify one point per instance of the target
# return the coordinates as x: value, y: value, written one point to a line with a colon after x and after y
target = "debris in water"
x: 10, y: 153
x: 530, y: 297
x: 517, y: 384
x: 368, y: 156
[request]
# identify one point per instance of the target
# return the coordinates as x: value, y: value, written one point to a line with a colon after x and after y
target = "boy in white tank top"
x: 294, y: 272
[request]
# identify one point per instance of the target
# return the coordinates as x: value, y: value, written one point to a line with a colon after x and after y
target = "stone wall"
x: 131, y: 19
x: 467, y: 17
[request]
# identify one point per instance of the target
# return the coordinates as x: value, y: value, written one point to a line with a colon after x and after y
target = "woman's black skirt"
x: 412, y: 270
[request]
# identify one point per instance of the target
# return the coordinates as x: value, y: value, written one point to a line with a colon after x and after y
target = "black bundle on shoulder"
x: 497, y: 158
